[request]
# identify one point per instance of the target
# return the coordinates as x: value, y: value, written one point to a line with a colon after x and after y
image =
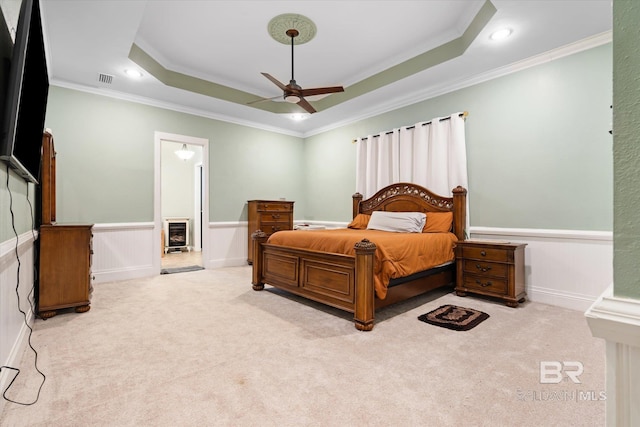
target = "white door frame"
x: 157, y: 206
x: 198, y: 220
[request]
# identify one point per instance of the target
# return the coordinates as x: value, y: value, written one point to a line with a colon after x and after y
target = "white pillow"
x: 403, y: 222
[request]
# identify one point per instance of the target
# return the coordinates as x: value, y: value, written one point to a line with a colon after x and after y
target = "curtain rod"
x: 463, y: 114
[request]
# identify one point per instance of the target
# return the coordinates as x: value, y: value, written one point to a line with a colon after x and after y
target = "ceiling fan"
x: 293, y: 92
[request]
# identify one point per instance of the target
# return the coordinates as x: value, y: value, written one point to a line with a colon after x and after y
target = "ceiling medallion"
x: 279, y: 25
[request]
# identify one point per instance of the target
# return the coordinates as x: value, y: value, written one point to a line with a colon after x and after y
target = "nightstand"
x: 493, y: 269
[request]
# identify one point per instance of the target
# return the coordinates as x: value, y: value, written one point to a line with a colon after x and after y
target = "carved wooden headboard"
x: 407, y: 197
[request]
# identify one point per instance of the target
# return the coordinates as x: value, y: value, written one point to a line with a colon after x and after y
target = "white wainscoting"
x: 563, y: 268
x: 123, y: 251
x: 228, y: 244
x: 13, y: 330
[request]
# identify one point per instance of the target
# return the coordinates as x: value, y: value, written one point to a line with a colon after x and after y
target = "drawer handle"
x: 484, y: 285
x: 483, y: 269
x: 483, y: 253
x: 275, y: 216
x: 275, y: 228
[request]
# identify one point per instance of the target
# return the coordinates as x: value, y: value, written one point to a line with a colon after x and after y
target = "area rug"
x: 181, y: 269
x: 454, y: 317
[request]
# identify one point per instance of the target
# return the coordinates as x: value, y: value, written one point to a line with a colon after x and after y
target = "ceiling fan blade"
x: 264, y: 99
x: 321, y: 90
x: 305, y: 104
x: 275, y: 81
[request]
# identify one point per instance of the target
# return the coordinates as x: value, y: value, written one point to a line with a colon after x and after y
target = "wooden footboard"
x: 341, y: 281
x: 346, y: 281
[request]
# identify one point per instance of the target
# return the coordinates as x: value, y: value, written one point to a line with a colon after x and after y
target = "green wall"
x: 539, y: 153
x: 538, y: 147
x: 626, y: 148
x: 105, y: 159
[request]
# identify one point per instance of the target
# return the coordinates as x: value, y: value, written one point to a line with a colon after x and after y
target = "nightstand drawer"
x: 485, y: 268
x: 490, y: 254
x: 486, y: 284
x: 274, y: 206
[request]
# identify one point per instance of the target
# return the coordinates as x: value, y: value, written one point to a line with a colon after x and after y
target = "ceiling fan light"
x: 294, y: 99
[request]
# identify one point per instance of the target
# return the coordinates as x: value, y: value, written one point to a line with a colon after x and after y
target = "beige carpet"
x: 204, y: 349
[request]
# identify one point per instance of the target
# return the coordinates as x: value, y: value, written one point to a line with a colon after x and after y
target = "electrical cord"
x: 24, y: 315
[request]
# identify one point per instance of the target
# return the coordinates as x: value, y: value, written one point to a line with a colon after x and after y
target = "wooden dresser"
x: 65, y: 268
x: 491, y: 268
x: 269, y: 216
x: 64, y: 279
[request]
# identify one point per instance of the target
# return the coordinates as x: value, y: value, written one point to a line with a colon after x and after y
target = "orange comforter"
x: 397, y: 254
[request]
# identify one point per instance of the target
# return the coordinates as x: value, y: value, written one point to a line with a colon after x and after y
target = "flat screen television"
x: 25, y: 83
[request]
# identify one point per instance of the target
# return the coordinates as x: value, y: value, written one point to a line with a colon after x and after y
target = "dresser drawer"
x: 490, y: 254
x: 268, y: 217
x: 271, y: 227
x: 486, y: 284
x: 485, y: 268
x: 274, y: 206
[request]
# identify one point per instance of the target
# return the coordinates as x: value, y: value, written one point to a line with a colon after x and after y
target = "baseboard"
x: 125, y: 273
x: 559, y: 298
x: 228, y: 262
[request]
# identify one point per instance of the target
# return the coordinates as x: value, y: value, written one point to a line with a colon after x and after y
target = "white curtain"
x: 431, y: 154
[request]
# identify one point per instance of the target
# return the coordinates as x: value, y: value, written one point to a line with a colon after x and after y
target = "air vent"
x: 105, y: 78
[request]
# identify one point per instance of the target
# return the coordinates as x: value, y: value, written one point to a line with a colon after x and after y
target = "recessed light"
x: 501, y: 34
x: 298, y: 116
x: 133, y: 73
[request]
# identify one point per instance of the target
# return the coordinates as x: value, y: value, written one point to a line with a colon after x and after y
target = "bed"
x: 349, y: 279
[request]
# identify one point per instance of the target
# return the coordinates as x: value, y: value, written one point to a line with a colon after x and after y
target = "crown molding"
x: 171, y: 106
x: 432, y: 92
x: 394, y: 104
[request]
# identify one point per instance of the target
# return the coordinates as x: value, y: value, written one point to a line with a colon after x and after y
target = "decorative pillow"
x: 359, y: 222
x: 402, y: 222
x: 438, y: 222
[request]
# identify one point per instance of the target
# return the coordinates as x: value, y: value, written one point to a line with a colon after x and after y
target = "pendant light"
x: 184, y: 153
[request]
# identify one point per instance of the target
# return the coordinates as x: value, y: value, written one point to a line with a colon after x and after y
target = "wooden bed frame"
x: 346, y: 281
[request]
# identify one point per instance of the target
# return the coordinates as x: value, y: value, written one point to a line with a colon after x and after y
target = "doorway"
x: 181, y: 203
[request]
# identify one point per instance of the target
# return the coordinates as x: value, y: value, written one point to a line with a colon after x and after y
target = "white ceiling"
x: 227, y: 42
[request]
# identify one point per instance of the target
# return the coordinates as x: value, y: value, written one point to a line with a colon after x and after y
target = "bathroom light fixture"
x: 500, y: 34
x: 184, y: 153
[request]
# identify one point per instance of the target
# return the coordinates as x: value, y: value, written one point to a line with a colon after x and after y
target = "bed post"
x: 365, y: 288
x: 258, y: 237
x: 460, y: 211
x: 357, y: 198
